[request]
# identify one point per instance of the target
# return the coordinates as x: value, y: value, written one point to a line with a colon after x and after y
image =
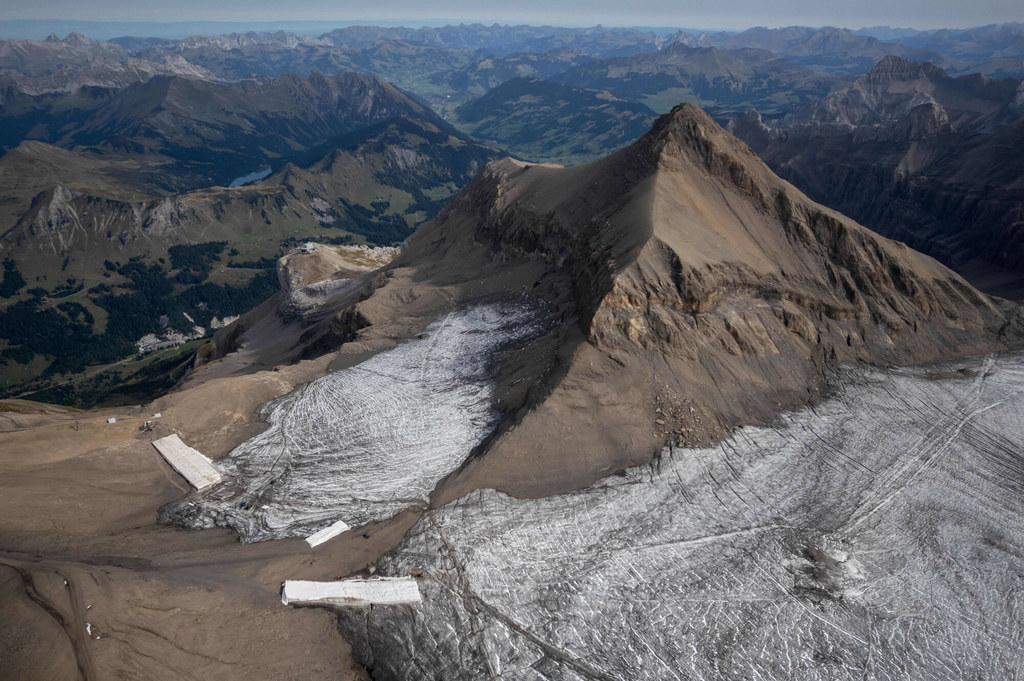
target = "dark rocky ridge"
x: 209, y: 133
x: 895, y: 86
x: 920, y: 156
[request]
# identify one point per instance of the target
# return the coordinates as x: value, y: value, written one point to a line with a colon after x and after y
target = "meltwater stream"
x: 366, y: 442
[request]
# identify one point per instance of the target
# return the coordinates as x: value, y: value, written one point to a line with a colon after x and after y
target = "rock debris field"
x: 878, y: 535
x: 365, y: 443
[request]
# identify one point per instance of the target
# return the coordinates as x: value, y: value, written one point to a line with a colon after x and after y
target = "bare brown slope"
x: 700, y: 292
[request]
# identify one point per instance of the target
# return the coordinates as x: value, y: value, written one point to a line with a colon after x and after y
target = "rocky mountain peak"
x: 678, y: 47
x: 688, y: 135
x: 896, y: 86
x: 78, y: 40
x: 893, y: 68
x: 676, y: 262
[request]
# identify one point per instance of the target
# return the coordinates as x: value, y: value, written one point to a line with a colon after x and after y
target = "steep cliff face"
x: 956, y: 196
x: 758, y: 240
x: 309, y: 279
x: 896, y: 86
x: 699, y: 290
x: 919, y: 156
x: 66, y: 220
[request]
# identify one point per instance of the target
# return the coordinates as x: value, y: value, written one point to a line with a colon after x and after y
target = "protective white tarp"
x: 354, y: 592
x: 192, y: 465
x: 329, y: 532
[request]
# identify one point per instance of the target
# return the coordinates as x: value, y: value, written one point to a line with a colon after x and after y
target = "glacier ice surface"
x: 877, y: 535
x: 366, y: 442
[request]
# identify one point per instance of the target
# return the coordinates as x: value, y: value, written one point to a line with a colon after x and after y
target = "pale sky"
x: 726, y: 14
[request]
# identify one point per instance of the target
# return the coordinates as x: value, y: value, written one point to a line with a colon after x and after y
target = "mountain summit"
x: 699, y: 291
x: 895, y: 87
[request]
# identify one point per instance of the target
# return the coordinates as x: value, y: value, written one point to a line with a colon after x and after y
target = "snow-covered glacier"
x: 876, y: 535
x: 366, y: 442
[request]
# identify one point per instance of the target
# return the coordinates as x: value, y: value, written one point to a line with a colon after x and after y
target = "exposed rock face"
x: 694, y: 282
x: 46, y: 66
x: 67, y: 220
x: 915, y: 168
x: 309, y: 280
x: 895, y: 87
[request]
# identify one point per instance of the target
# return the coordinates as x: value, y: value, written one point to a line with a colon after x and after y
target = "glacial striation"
x: 366, y: 442
x: 878, y: 535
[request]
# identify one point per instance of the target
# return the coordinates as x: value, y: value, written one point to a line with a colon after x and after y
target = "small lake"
x: 251, y: 177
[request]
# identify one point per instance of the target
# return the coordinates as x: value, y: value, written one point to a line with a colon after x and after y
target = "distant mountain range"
x: 114, y: 152
x: 919, y: 156
x: 55, y: 65
x: 503, y: 40
x: 830, y: 49
x: 210, y: 132
x: 407, y: 56
x: 529, y: 118
x: 979, y: 43
x: 990, y: 50
x: 720, y: 80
